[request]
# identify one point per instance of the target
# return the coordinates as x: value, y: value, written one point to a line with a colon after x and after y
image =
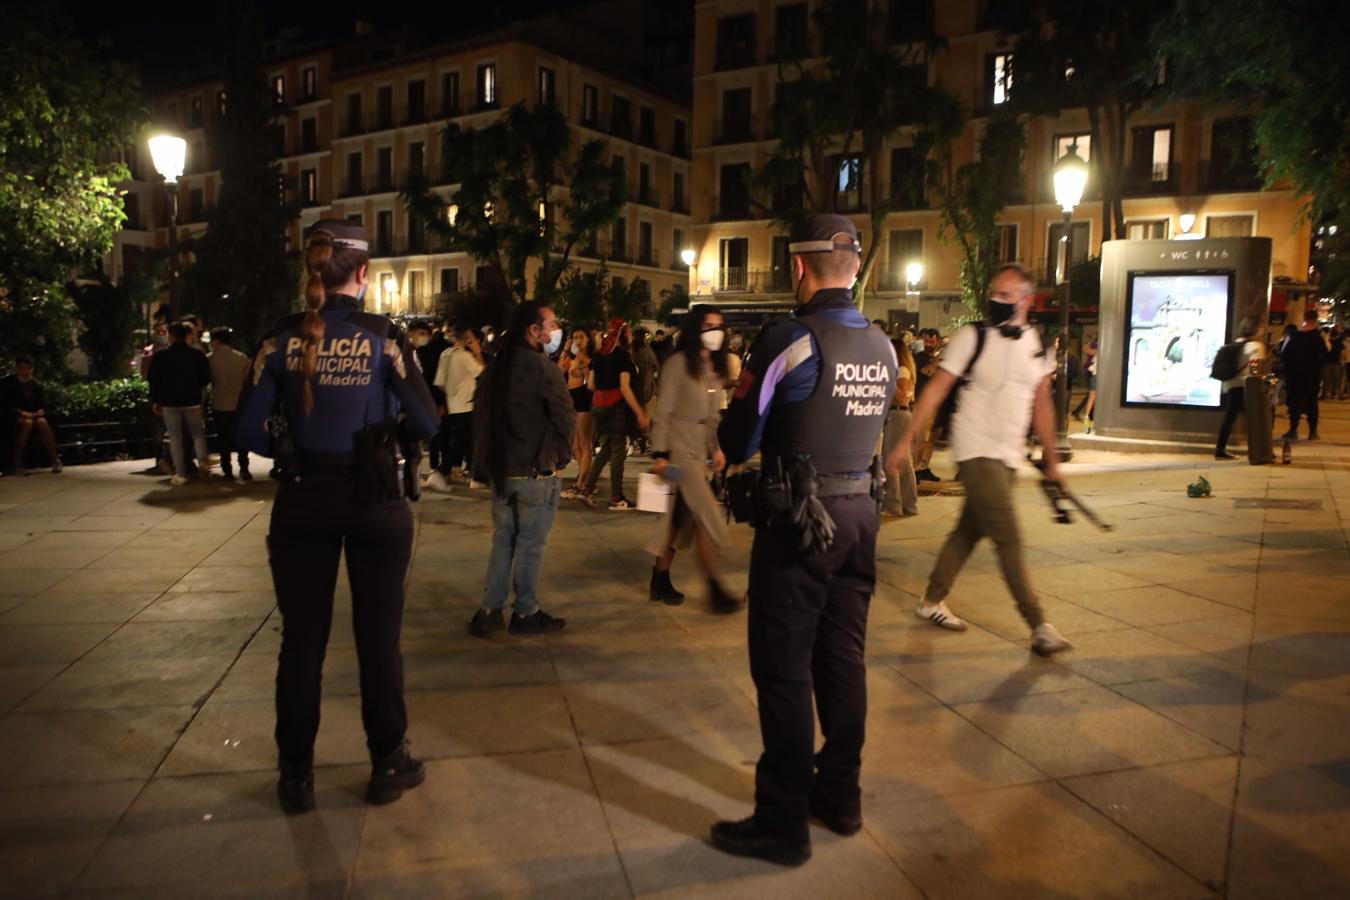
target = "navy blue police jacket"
x: 366, y: 375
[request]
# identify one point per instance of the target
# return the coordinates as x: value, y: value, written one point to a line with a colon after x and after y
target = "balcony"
x: 680, y: 205
x: 906, y: 196
x: 735, y: 55
x: 647, y: 196
x: 383, y: 183
x: 451, y: 108
x: 733, y: 131
x: 619, y: 253
x: 734, y: 207
x: 486, y: 105
x: 414, y: 115
x: 648, y: 258
x: 1224, y: 176
x: 680, y: 148
x: 851, y: 201
x: 353, y: 186
x: 733, y: 280
x: 621, y: 128
x: 352, y: 125
x: 1159, y: 178
x: 308, y: 145
x: 405, y: 246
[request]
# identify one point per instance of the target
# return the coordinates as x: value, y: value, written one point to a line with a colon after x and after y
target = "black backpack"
x: 1227, y: 362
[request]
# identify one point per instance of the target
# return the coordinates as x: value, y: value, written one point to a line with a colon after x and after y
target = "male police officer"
x: 812, y: 399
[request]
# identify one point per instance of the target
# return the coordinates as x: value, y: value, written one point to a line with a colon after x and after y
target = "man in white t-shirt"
x: 1234, y: 393
x: 457, y: 375
x: 1007, y: 386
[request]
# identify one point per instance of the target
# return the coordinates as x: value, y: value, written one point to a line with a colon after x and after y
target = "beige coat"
x: 685, y: 426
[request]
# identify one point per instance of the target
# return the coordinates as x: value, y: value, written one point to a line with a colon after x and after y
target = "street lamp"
x: 1071, y: 175
x: 168, y: 152
x: 913, y: 275
x: 687, y: 256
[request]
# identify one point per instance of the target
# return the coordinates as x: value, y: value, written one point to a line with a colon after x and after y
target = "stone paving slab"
x: 1194, y: 744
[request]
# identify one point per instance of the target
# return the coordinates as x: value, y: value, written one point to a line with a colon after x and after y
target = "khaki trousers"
x: 989, y: 512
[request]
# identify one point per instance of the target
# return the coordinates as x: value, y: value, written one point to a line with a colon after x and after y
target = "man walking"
x: 1008, y: 385
x: 178, y: 375
x: 1302, y: 356
x: 229, y: 368
x: 523, y: 427
x: 812, y: 401
x: 1234, y: 392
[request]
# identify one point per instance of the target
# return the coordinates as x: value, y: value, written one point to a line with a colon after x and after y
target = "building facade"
x: 1184, y: 175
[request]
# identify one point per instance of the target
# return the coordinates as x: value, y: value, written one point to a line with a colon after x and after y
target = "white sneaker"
x: 1047, y: 641
x: 177, y: 480
x: 438, y: 482
x: 477, y: 485
x: 939, y: 615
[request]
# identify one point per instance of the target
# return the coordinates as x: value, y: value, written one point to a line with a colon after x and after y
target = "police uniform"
x: 816, y: 387
x: 340, y: 492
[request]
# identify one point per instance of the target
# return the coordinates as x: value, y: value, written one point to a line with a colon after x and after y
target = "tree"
x: 110, y: 314
x: 63, y: 117
x: 243, y: 275
x: 1099, y: 56
x: 506, y: 174
x: 971, y: 196
x: 834, y: 115
x: 593, y: 298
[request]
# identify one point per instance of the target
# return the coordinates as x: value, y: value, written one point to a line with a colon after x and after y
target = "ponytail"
x: 327, y: 268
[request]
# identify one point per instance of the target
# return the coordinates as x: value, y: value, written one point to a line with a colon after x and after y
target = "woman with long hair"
x: 326, y: 387
x: 902, y: 492
x: 575, y: 363
x: 684, y: 439
x: 616, y: 410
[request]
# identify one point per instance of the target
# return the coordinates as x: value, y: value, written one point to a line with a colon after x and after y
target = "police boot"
x: 295, y: 788
x: 663, y: 590
x: 393, y: 774
x: 747, y: 838
x: 721, y: 600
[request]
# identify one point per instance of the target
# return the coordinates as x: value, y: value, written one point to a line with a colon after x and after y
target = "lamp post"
x: 913, y: 275
x: 169, y: 154
x: 1071, y: 174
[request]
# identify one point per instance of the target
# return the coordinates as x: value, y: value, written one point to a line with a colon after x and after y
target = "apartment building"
x: 1184, y: 174
x: 356, y: 120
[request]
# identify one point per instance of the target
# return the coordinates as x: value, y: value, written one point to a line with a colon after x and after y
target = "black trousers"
x: 313, y: 521
x: 1301, y: 398
x: 225, y: 422
x: 808, y: 625
x: 1234, y: 402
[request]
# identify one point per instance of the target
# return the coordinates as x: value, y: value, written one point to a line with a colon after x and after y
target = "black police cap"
x: 824, y: 233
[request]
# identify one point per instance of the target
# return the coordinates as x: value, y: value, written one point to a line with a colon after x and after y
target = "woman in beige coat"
x: 684, y: 438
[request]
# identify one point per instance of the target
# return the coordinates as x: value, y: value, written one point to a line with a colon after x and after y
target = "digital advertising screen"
x: 1176, y: 322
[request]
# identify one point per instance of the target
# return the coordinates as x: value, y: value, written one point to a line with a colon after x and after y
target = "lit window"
x: 452, y: 213
x: 1002, y: 78
x: 487, y: 84
x: 279, y: 88
x: 1083, y: 148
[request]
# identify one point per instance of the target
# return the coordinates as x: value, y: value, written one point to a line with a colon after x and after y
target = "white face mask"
x: 576, y: 348
x: 712, y: 340
x: 554, y: 341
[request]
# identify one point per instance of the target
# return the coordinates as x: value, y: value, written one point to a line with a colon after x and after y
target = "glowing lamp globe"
x: 1071, y: 175
x: 169, y: 154
x: 687, y: 256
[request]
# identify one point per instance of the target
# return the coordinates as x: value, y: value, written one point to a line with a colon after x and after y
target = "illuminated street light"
x: 913, y: 275
x: 687, y: 256
x: 168, y: 152
x: 1071, y: 175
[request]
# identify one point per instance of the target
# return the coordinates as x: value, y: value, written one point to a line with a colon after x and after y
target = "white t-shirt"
x: 1250, y: 350
x: 457, y: 375
x: 994, y: 410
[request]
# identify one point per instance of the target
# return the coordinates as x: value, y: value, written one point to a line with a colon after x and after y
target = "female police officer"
x: 326, y: 388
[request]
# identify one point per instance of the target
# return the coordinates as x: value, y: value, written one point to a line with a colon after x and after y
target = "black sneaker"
x: 295, y: 790
x: 1290, y: 435
x: 925, y: 475
x: 743, y: 838
x: 841, y: 824
x: 391, y: 775
x: 485, y: 622
x: 1313, y: 436
x: 538, y: 622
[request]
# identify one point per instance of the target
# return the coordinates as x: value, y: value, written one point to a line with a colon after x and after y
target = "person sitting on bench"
x: 22, y: 395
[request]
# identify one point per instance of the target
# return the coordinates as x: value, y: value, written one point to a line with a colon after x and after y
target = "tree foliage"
x: 593, y: 298
x: 243, y: 275
x: 64, y: 116
x: 110, y: 314
x: 1098, y: 56
x: 504, y: 173
x: 850, y: 97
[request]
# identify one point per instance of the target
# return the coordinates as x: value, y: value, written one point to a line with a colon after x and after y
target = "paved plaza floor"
x: 1196, y: 743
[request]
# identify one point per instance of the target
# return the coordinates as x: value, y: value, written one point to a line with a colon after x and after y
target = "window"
x: 417, y: 158
x: 912, y: 85
x: 1081, y: 144
x: 645, y: 193
x: 384, y: 106
x: 196, y: 206
x: 1151, y: 155
x: 1230, y: 226
x: 309, y: 186
x: 384, y: 232
x: 548, y: 81
x: 647, y: 126
x: 621, y: 117
x: 415, y: 290
x: 1000, y: 76
x: 196, y: 158
x: 677, y: 246
x: 1232, y: 156
x: 220, y: 103
x: 849, y: 184
x: 309, y: 83
x: 734, y: 200
x: 195, y: 112
x: 736, y: 41
x: 679, y: 143
x: 905, y: 246
x: 1147, y: 230
x: 1005, y: 243
x: 384, y: 168
x: 279, y: 139
x: 781, y: 277
x: 449, y: 281
x: 353, y: 114
x: 789, y: 31
x: 487, y: 85
x: 590, y: 104
x: 645, y: 244
x: 354, y: 218
x: 353, y: 173
x: 449, y: 94
x: 417, y: 100
x: 735, y: 124
x: 678, y: 201
x: 131, y: 205
x: 279, y: 89
x: 1054, y: 272
x: 908, y: 190
x: 733, y: 256
x: 309, y: 135
x: 618, y: 241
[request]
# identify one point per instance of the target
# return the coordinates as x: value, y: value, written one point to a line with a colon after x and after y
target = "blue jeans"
x: 521, y: 522
x: 175, y: 417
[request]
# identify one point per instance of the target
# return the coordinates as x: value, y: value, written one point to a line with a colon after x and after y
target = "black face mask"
x: 999, y: 312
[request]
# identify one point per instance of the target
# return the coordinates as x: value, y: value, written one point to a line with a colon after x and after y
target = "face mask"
x: 361, y: 294
x: 1000, y: 312
x: 576, y: 348
x: 491, y: 337
x: 554, y: 341
x: 712, y: 340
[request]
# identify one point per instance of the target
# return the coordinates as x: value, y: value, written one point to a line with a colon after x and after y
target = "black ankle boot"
x: 393, y: 774
x: 663, y: 590
x: 721, y: 601
x: 295, y: 789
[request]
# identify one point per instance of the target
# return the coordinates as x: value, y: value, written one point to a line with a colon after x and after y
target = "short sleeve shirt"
x: 609, y: 366
x: 993, y: 413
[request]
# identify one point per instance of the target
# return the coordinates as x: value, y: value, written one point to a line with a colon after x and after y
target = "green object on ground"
x: 1199, y: 488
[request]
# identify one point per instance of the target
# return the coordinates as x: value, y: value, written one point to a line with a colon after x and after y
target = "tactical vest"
x: 838, y: 425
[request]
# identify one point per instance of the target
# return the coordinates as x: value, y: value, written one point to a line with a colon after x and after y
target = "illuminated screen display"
x: 1177, y: 322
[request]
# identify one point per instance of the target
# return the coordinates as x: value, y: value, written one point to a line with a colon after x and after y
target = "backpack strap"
x: 980, y: 328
